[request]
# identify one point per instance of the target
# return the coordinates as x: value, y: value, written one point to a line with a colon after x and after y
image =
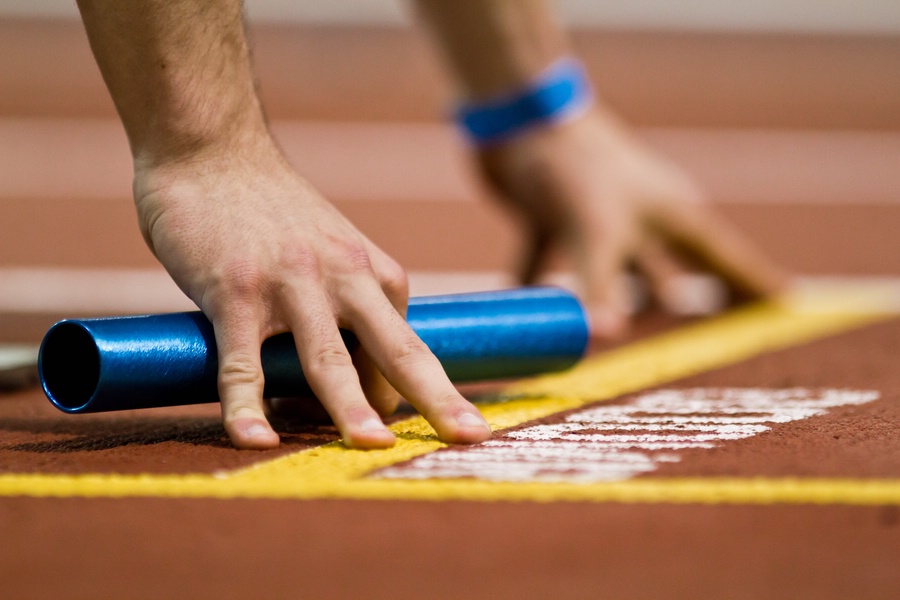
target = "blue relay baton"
x: 119, y: 363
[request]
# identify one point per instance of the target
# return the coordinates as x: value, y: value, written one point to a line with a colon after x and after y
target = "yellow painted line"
x: 332, y: 471
x: 753, y: 490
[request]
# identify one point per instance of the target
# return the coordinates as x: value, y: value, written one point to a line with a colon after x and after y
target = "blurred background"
x: 786, y: 112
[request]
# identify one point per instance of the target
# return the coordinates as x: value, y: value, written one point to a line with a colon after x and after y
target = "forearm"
x: 179, y: 73
x: 493, y: 46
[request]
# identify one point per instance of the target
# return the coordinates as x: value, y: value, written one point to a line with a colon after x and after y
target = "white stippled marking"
x: 612, y: 443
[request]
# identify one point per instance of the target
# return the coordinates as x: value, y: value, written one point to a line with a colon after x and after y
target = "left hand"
x: 590, y: 189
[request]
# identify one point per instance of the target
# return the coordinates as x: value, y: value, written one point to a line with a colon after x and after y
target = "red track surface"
x: 190, y: 548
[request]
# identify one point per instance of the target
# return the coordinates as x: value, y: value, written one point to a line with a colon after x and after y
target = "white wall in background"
x: 866, y: 16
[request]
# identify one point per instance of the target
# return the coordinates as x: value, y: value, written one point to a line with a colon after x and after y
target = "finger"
x: 240, y: 379
x: 677, y: 291
x: 395, y: 286
x: 660, y: 271
x: 534, y: 259
x: 600, y: 264
x: 330, y: 372
x: 380, y: 394
x: 726, y: 250
x: 413, y: 370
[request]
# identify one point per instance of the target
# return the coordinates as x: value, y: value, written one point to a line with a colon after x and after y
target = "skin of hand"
x: 586, y: 187
x: 590, y: 189
x: 249, y: 240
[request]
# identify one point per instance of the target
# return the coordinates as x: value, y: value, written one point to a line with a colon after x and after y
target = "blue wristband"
x: 561, y: 92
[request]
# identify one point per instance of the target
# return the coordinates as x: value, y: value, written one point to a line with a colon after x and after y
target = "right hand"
x: 261, y: 252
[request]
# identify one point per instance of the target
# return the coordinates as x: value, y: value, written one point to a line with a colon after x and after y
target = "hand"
x: 261, y: 252
x: 592, y: 191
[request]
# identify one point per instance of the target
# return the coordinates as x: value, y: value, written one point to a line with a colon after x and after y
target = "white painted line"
x: 15, y: 356
x: 426, y: 162
x: 577, y: 451
x: 642, y: 425
x: 645, y: 438
x: 18, y: 366
x: 90, y: 291
x: 869, y: 293
x: 861, y: 16
x: 129, y: 291
x: 134, y: 291
x: 137, y: 291
x: 140, y: 291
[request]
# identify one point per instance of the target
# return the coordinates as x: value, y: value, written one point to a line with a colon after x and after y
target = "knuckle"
x: 240, y: 371
x: 331, y: 356
x: 243, y: 279
x: 409, y: 352
x: 243, y: 410
x: 356, y: 258
x: 394, y: 280
x: 451, y: 401
x: 301, y: 260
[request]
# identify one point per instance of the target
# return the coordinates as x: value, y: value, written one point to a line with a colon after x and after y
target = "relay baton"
x: 118, y: 363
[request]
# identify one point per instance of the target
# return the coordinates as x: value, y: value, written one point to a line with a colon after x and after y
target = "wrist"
x: 172, y: 136
x: 559, y: 93
x: 179, y: 167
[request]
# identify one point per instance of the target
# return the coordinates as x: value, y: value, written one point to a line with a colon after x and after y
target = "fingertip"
x: 252, y: 434
x: 607, y: 322
x: 371, y: 434
x: 469, y: 428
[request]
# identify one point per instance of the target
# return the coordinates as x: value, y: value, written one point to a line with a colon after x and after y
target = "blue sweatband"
x: 561, y: 92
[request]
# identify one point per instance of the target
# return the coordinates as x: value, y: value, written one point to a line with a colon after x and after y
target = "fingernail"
x: 472, y: 420
x: 372, y: 424
x: 256, y: 430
